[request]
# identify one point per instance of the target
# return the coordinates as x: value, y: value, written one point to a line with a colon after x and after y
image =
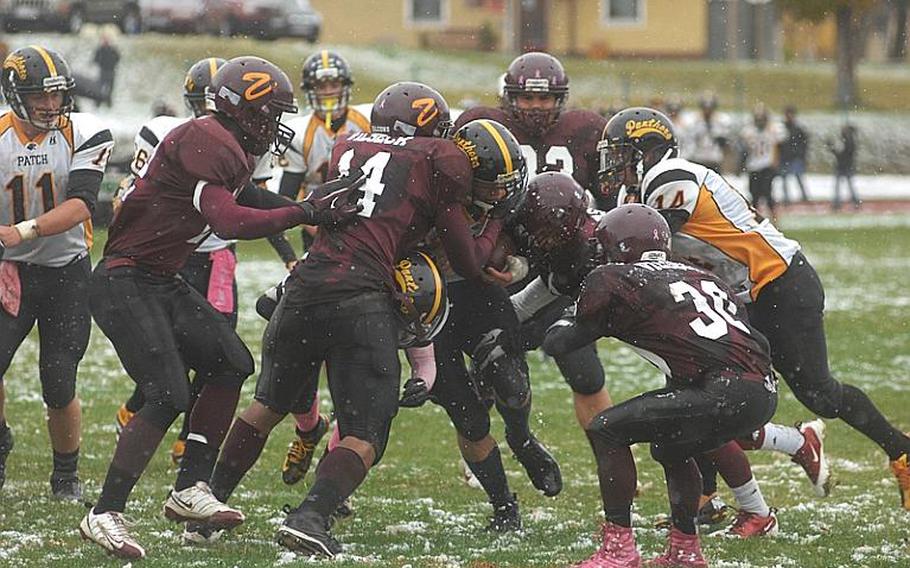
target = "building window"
x: 623, y: 11
x: 426, y: 11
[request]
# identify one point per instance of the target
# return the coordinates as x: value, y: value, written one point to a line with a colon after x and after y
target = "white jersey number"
x: 719, y: 316
x: 557, y: 158
x: 373, y: 168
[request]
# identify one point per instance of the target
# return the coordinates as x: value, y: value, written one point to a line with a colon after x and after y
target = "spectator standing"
x: 845, y: 165
x: 707, y: 135
x: 106, y: 57
x: 793, y: 155
x: 760, y: 141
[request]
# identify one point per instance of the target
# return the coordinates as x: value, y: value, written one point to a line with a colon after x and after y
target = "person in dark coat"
x: 793, y: 155
x: 845, y: 165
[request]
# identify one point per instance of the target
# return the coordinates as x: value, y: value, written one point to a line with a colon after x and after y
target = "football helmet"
x: 530, y: 74
x: 325, y: 66
x: 254, y: 93
x: 32, y: 70
x: 411, y: 109
x: 633, y: 232
x: 633, y: 140
x: 554, y: 210
x: 500, y: 169
x: 424, y: 302
x: 197, y: 81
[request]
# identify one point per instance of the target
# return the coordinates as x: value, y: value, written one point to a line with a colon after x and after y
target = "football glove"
x: 415, y: 393
x: 330, y: 203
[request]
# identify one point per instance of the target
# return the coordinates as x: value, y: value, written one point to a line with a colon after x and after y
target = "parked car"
x: 69, y: 15
x: 267, y: 19
x: 175, y: 15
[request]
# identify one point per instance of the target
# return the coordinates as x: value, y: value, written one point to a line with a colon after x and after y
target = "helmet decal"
x: 261, y: 85
x: 428, y: 110
x: 16, y: 63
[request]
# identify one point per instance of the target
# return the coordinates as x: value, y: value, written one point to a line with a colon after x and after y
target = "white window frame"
x: 444, y: 6
x: 607, y: 21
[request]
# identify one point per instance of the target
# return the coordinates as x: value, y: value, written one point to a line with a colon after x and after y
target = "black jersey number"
x: 16, y: 188
x: 720, y: 313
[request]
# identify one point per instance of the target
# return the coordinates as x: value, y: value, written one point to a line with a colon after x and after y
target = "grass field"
x: 414, y: 511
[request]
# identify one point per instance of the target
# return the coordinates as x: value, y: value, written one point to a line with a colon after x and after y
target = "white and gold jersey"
x: 35, y: 176
x: 723, y: 230
x: 311, y: 149
x: 146, y: 142
x: 762, y: 145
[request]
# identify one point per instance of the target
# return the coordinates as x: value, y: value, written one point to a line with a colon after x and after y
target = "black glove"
x: 331, y: 203
x: 415, y: 393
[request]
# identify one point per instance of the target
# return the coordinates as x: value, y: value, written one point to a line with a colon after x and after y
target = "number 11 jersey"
x: 35, y: 176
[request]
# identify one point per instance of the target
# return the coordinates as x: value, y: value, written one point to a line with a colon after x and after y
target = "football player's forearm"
x: 229, y: 220
x: 467, y: 255
x: 259, y: 198
x: 63, y: 217
x: 281, y: 245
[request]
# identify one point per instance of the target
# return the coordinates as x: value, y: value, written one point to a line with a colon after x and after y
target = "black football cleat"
x: 542, y: 468
x: 506, y: 517
x: 308, y: 533
x: 6, y: 446
x: 66, y: 487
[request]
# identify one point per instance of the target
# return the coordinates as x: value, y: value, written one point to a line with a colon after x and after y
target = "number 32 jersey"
x: 683, y: 320
x: 35, y: 177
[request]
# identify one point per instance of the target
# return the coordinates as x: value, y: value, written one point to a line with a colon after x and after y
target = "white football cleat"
x: 111, y: 532
x: 468, y: 476
x: 196, y: 503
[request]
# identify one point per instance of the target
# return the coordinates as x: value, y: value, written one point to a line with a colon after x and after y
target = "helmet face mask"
x: 619, y: 164
x: 633, y: 140
x: 35, y: 70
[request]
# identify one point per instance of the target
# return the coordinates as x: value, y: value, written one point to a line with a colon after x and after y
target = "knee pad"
x: 472, y: 423
x: 160, y: 414
x: 824, y: 400
x: 59, y: 393
x: 582, y: 370
x: 176, y: 394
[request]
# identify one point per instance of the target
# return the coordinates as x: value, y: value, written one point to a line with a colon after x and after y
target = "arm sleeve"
x: 281, y: 245
x: 290, y: 184
x: 230, y: 220
x: 676, y: 218
x: 532, y: 298
x: 467, y: 254
x: 259, y: 198
x: 84, y: 185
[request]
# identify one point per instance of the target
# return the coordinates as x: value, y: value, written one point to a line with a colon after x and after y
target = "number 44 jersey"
x: 35, y: 176
x: 683, y: 320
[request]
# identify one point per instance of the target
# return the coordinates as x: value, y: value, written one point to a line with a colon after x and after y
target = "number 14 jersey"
x: 35, y: 176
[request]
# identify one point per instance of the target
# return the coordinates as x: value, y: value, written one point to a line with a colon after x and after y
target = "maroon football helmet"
x: 254, y: 93
x: 530, y: 74
x: 411, y: 109
x: 630, y: 231
x: 553, y: 211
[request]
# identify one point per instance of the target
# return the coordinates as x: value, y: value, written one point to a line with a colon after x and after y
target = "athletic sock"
x: 492, y: 477
x: 66, y: 465
x: 749, y: 498
x: 338, y: 475
x: 786, y: 439
x: 242, y: 448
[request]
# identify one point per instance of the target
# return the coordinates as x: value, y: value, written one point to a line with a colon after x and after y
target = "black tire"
x: 131, y: 21
x: 75, y: 21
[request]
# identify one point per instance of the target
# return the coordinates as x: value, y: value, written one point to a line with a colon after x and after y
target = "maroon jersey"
x: 159, y: 223
x: 410, y: 182
x: 569, y: 146
x: 684, y: 320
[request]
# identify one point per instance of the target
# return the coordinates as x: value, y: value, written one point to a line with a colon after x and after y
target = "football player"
x: 719, y: 379
x: 160, y: 325
x: 483, y: 325
x: 556, y: 231
x: 714, y: 225
x: 210, y: 269
x: 339, y: 308
x: 52, y: 170
x: 326, y: 80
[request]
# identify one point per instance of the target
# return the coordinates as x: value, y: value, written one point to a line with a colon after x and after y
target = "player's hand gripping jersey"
x: 36, y: 175
x: 716, y: 225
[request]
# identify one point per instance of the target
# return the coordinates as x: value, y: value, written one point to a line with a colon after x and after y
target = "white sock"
x: 786, y: 439
x: 749, y: 498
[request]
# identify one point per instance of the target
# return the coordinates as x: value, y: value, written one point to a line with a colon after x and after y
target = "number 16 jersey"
x: 35, y: 176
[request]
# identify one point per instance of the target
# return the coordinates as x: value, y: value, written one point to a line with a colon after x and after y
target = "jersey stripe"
x: 360, y: 120
x: 749, y: 247
x: 668, y: 177
x: 146, y: 134
x: 308, y: 137
x: 99, y: 138
x: 6, y: 122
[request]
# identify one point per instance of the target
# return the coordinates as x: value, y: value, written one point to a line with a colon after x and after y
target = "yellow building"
x: 597, y: 28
